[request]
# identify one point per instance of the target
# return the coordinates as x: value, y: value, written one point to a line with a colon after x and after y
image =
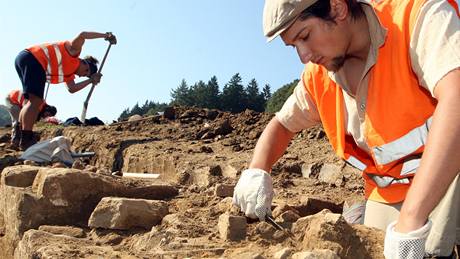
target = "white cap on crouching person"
x: 280, y: 14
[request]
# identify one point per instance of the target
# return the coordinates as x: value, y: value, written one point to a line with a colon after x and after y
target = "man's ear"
x: 339, y: 10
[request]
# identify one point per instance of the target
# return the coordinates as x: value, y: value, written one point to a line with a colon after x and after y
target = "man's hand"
x: 405, y: 245
x: 110, y: 38
x: 96, y: 78
x: 254, y: 193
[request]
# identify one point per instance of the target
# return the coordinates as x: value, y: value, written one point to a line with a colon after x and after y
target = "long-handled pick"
x: 85, y: 104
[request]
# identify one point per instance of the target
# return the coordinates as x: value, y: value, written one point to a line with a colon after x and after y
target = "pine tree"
x: 214, y: 93
x: 124, y: 114
x: 136, y: 110
x: 255, y: 99
x: 266, y: 91
x: 233, y: 95
x: 199, y: 95
x: 181, y: 95
x: 145, y: 107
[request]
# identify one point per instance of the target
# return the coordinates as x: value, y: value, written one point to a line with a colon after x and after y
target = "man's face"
x: 83, y: 69
x: 318, y: 41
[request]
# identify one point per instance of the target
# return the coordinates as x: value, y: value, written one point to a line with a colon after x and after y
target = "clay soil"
x: 196, y: 150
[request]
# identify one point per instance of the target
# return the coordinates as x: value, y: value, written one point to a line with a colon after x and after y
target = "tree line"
x: 235, y: 97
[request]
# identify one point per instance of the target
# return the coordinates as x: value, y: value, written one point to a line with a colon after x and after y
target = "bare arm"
x: 77, y: 43
x: 271, y: 145
x: 73, y: 87
x: 440, y: 163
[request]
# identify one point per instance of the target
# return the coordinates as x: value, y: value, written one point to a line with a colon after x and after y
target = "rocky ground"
x: 90, y: 211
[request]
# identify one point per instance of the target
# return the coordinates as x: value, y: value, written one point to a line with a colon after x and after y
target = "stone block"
x: 224, y: 190
x: 330, y: 231
x: 19, y: 176
x: 331, y: 174
x: 41, y: 244
x: 124, y: 213
x: 265, y: 230
x: 230, y: 171
x: 232, y: 228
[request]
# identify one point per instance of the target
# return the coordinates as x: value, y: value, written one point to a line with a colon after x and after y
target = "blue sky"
x: 159, y: 44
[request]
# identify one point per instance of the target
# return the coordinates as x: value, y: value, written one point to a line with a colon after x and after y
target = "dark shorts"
x: 31, y: 73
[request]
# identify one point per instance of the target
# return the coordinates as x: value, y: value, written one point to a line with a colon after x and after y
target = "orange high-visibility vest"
x: 16, y: 98
x: 57, y: 62
x: 398, y: 113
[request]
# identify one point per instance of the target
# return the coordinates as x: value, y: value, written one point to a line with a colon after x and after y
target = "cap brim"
x: 283, y: 28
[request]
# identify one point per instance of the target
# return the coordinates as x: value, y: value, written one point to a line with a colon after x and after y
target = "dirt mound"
x: 193, y: 158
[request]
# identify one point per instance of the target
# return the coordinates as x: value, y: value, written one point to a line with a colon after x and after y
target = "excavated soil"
x: 197, y: 152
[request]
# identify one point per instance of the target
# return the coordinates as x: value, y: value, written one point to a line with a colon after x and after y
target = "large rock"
x: 44, y: 245
x: 123, y: 213
x: 19, y: 176
x: 60, y: 197
x: 330, y: 231
x: 73, y: 188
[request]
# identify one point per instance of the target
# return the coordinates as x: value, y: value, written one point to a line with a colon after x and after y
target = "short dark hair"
x: 322, y: 9
x: 92, y: 63
x: 91, y: 59
x: 50, y: 109
x: 47, y: 109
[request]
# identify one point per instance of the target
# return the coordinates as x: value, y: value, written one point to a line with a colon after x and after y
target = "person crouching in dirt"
x: 383, y: 79
x: 14, y: 103
x: 53, y: 63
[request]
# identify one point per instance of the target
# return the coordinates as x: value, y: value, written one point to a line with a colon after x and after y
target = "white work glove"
x: 405, y: 245
x: 254, y: 193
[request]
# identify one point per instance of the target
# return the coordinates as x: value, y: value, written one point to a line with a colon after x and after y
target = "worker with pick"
x: 54, y: 63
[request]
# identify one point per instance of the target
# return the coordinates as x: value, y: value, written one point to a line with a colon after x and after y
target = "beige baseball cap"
x: 280, y: 14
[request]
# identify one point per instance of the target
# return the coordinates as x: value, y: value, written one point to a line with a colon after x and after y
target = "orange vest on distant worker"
x: 16, y: 98
x: 398, y: 110
x: 57, y: 62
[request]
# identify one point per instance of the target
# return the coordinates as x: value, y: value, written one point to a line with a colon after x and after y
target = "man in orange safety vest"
x: 383, y: 79
x: 54, y: 63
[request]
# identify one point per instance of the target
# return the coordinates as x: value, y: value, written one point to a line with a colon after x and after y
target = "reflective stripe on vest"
x: 402, y: 146
x: 385, y: 181
x: 49, y: 72
x: 409, y: 167
x: 19, y: 98
x: 353, y: 161
x: 59, y: 60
